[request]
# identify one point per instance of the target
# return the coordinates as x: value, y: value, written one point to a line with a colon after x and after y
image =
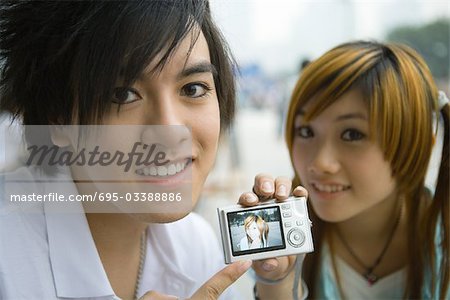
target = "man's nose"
x: 167, y: 127
x: 164, y: 109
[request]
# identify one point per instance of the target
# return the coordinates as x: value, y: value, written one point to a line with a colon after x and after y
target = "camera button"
x: 299, y: 222
x: 287, y: 224
x: 296, y: 237
x: 287, y: 214
x: 285, y: 206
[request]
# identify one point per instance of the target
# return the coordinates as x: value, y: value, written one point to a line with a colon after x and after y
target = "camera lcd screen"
x: 256, y: 230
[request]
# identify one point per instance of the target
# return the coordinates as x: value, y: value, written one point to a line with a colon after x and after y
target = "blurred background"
x: 271, y: 40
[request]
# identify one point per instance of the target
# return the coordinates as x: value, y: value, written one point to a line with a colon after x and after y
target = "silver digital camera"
x: 267, y: 230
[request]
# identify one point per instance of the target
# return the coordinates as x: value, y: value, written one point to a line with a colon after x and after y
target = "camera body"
x: 268, y: 230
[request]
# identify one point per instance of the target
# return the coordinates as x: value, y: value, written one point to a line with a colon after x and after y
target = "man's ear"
x: 59, y: 136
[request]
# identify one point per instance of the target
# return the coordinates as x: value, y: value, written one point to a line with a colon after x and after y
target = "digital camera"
x: 268, y: 230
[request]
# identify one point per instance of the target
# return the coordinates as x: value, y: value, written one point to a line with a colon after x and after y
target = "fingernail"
x: 281, y: 190
x: 267, y: 187
x: 268, y: 267
x: 244, y: 265
x: 250, y: 198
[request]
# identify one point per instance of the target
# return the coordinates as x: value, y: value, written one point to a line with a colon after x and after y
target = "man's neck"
x: 118, y: 241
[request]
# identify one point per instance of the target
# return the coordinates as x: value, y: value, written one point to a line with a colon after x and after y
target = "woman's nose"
x: 325, y: 160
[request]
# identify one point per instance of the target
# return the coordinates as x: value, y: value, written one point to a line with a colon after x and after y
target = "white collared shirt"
x: 48, y: 255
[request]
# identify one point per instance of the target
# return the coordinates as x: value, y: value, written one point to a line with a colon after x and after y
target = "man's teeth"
x: 330, y: 188
x: 169, y: 170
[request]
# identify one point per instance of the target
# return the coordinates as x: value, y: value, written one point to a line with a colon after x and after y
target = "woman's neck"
x: 374, y: 241
x: 374, y: 223
x: 256, y: 243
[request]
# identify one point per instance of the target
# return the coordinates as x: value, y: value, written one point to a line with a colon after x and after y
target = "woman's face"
x: 182, y: 94
x: 343, y: 170
x: 253, y: 231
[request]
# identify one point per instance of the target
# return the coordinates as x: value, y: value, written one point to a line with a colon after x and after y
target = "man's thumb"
x: 217, y: 284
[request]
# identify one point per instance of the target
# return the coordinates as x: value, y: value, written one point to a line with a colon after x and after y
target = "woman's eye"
x: 124, y: 95
x: 195, y: 90
x: 304, y: 132
x: 352, y: 135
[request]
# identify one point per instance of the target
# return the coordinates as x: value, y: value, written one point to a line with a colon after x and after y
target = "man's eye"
x: 124, y: 95
x: 195, y: 90
x: 352, y: 135
x: 304, y: 132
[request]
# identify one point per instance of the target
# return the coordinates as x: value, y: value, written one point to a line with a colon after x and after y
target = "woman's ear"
x: 59, y: 137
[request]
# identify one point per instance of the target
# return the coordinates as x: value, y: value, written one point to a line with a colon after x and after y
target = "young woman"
x: 361, y: 126
x: 256, y: 233
x: 112, y: 63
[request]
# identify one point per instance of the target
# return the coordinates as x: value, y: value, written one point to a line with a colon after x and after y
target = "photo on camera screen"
x: 256, y: 230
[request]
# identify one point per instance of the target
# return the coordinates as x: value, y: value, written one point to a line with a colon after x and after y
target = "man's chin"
x: 160, y: 217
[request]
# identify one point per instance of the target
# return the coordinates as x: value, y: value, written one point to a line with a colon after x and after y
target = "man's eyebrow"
x: 202, y: 67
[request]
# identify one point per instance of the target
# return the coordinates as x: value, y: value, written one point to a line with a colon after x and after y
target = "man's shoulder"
x: 17, y: 188
x: 192, y: 224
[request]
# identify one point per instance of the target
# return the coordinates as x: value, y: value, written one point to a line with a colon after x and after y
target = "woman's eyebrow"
x: 355, y: 115
x: 343, y: 117
x: 202, y: 67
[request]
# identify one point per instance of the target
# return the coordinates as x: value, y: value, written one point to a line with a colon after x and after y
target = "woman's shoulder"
x: 243, y: 243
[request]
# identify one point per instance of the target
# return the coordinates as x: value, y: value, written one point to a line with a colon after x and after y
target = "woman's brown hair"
x: 402, y: 99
